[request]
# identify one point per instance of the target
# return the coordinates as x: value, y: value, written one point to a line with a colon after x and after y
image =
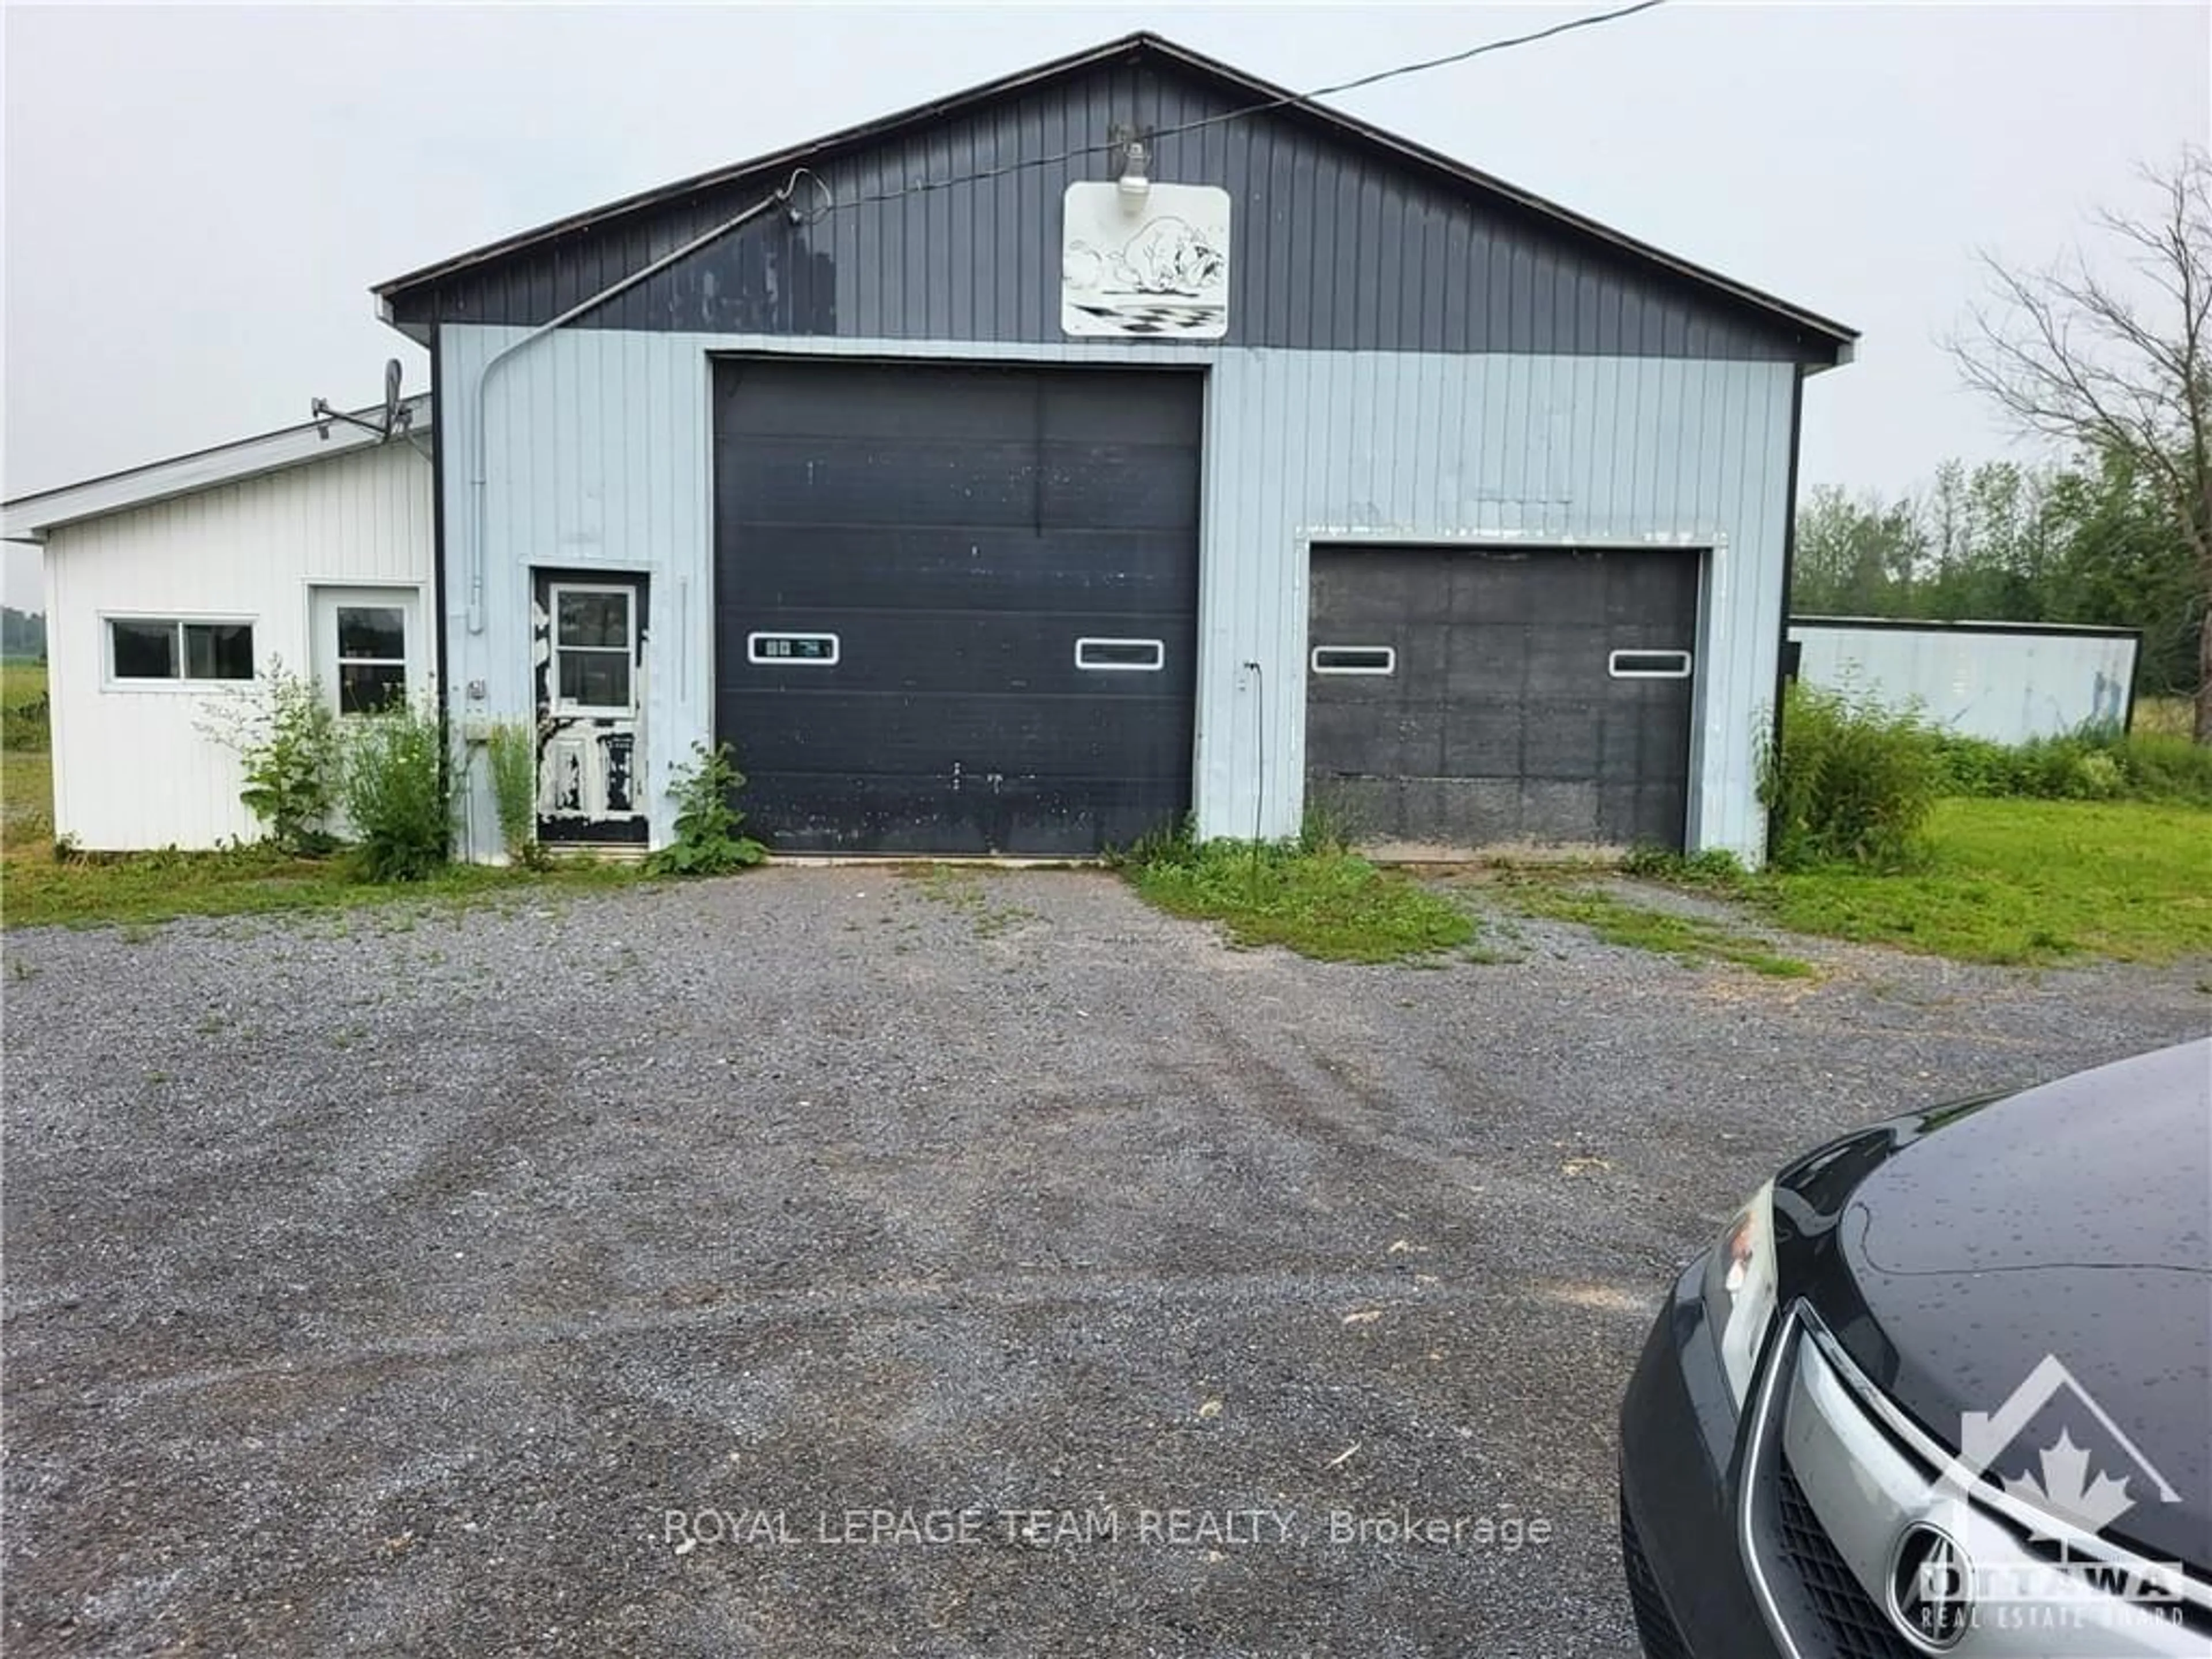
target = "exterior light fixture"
x: 1134, y: 184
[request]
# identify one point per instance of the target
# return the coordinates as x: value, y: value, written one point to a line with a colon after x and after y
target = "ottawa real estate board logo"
x: 2074, y: 1473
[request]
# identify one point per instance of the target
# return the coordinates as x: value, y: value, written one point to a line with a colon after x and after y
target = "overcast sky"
x: 198, y: 199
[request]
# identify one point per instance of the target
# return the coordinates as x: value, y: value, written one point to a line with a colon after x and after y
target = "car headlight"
x: 1739, y: 1290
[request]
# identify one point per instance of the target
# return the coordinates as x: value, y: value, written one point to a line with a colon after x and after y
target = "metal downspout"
x: 477, y: 402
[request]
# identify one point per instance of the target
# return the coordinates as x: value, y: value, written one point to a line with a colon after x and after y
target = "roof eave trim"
x: 1352, y: 126
x: 713, y: 178
x: 28, y: 518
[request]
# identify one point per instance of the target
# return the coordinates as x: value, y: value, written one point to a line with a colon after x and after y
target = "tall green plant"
x: 2094, y: 763
x: 398, y: 792
x: 287, y: 740
x: 1849, y: 782
x: 708, y: 842
x: 513, y: 753
x: 28, y: 727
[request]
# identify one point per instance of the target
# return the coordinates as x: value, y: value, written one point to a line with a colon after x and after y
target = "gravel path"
x: 384, y: 1284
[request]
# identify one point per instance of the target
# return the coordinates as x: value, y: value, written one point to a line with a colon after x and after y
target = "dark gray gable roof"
x: 1630, y: 293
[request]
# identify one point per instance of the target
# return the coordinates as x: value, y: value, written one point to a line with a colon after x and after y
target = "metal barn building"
x: 2008, y: 682
x: 1121, y: 441
x: 1116, y: 441
x: 171, y: 587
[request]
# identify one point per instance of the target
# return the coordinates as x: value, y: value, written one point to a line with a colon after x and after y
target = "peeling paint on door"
x: 588, y: 635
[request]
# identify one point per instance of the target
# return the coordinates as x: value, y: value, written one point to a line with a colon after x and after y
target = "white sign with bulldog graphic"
x: 1154, y: 265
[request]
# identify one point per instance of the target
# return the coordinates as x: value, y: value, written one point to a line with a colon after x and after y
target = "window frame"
x: 183, y: 681
x: 404, y: 662
x: 629, y: 651
x: 1684, y: 668
x: 1158, y: 648
x: 1335, y: 664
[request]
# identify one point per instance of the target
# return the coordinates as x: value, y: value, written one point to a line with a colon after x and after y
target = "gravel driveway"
x: 835, y: 1262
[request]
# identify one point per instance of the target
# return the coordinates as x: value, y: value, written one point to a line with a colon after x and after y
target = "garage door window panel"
x: 1376, y: 660
x: 1649, y: 664
x: 1120, y: 655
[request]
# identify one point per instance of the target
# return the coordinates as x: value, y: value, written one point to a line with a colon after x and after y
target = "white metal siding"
x: 132, y: 768
x: 600, y: 455
x: 1979, y: 682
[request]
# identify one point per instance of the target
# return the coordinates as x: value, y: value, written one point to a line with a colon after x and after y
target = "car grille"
x: 1655, y: 1625
x: 1855, y: 1626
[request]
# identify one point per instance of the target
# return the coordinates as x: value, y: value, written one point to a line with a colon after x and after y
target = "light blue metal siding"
x: 595, y: 457
x: 600, y: 455
x: 1393, y: 446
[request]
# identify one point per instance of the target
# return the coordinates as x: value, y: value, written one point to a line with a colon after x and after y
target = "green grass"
x: 26, y: 774
x: 1323, y: 902
x: 27, y: 798
x: 1617, y: 921
x: 139, y: 888
x: 25, y: 722
x: 2005, y: 880
x: 21, y: 682
x: 2024, y: 881
x: 2143, y: 766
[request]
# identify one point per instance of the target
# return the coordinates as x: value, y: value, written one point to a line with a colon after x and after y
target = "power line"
x: 925, y: 185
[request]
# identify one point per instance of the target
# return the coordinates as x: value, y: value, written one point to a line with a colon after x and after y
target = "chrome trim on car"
x: 1872, y: 1480
x: 1755, y: 1471
x: 2020, y: 1514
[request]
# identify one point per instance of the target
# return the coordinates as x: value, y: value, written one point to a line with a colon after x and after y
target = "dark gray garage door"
x: 1472, y: 696
x: 957, y: 608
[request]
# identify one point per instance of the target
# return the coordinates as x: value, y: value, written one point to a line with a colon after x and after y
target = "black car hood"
x: 1953, y: 1253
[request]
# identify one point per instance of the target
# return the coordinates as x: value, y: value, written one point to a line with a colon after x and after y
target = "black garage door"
x: 957, y: 608
x: 1468, y: 697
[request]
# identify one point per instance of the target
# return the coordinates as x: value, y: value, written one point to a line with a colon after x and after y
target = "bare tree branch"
x: 2068, y: 353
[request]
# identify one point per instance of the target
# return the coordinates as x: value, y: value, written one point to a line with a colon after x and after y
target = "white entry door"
x: 590, y: 650
x: 367, y: 649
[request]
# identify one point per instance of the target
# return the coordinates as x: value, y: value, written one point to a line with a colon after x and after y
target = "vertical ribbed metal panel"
x: 1316, y: 446
x: 135, y: 766
x: 595, y: 454
x: 1982, y: 681
x: 599, y: 454
x: 1337, y: 245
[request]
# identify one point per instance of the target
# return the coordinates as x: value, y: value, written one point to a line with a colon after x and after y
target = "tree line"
x: 2093, y: 542
x: 22, y: 634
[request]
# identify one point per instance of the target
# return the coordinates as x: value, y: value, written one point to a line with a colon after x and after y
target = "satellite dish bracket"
x: 396, y: 419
